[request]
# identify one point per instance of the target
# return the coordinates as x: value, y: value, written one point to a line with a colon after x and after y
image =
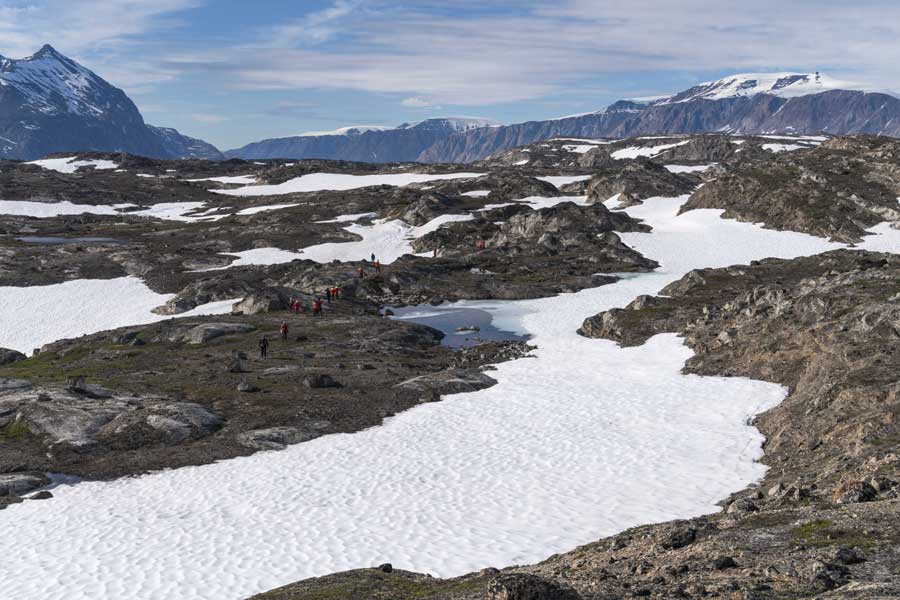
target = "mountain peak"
x: 47, y: 51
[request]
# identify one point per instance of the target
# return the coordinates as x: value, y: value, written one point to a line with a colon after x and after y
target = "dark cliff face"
x: 49, y: 103
x: 836, y: 112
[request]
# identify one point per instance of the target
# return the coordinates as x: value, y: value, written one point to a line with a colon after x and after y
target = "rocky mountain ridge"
x: 403, y: 143
x: 49, y: 103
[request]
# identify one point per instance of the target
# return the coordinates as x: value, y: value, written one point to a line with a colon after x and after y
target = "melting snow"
x: 582, y: 440
x: 477, y: 193
x: 688, y: 168
x: 387, y: 240
x: 346, y: 218
x: 636, y: 151
x: 46, y: 210
x: 37, y: 315
x: 239, y: 179
x: 71, y: 164
x: 317, y: 182
x: 784, y: 147
x: 561, y: 180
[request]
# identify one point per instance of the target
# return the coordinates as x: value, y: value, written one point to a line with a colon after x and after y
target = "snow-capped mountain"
x: 49, y: 103
x: 782, y: 85
x: 352, y: 130
x: 364, y: 142
x: 748, y: 103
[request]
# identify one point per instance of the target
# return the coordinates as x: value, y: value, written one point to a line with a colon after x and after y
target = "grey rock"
x: 276, y: 438
x: 520, y: 586
x: 16, y: 484
x: 7, y: 356
x: 66, y: 420
x: 201, y: 334
x: 854, y: 491
x: 247, y: 388
x: 320, y: 381
x: 449, y: 381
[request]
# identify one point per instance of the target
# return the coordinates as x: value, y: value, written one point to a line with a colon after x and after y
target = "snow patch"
x: 317, y: 182
x: 651, y: 151
x: 71, y: 164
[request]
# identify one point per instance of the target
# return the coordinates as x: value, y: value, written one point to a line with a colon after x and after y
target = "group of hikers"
x: 361, y: 272
x: 295, y: 305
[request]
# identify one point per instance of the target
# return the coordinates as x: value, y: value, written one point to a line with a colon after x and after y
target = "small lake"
x: 51, y: 240
x: 450, y: 318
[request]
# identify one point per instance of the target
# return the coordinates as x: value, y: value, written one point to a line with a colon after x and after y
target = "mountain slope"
x: 49, y: 103
x: 363, y: 143
x: 783, y: 103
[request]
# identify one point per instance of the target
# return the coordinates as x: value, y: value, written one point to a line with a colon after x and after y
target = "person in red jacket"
x: 284, y: 331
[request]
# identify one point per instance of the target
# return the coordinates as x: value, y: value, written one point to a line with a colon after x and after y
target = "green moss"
x: 811, y: 529
x: 14, y: 431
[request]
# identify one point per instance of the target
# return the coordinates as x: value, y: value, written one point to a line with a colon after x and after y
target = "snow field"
x: 651, y: 151
x: 688, y: 168
x: 580, y: 441
x: 37, y: 315
x: 316, y: 182
x: 387, y: 240
x: 72, y: 163
x: 561, y: 180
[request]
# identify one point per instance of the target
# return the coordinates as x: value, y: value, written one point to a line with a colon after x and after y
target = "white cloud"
x: 208, y: 118
x: 418, y: 102
x: 473, y: 56
x: 84, y: 26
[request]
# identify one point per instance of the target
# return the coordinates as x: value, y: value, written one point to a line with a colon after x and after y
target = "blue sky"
x: 233, y: 71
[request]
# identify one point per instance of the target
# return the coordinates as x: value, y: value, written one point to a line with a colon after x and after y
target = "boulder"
x: 69, y: 420
x: 449, y: 381
x: 321, y: 381
x: 200, y: 334
x: 247, y: 388
x: 7, y: 356
x: 276, y: 438
x: 267, y: 300
x: 850, y: 492
x: 16, y: 484
x: 520, y: 586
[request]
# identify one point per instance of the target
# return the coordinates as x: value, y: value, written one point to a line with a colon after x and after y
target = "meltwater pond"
x: 462, y: 325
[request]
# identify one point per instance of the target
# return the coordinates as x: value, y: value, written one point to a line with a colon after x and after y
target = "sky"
x: 236, y: 71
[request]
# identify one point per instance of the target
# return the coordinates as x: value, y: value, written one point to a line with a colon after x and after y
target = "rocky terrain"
x: 526, y: 223
x: 823, y: 523
x: 837, y: 190
x: 192, y: 391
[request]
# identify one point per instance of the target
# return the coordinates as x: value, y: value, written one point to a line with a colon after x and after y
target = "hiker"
x: 284, y: 331
x: 317, y: 307
x: 263, y: 347
x: 360, y: 271
x: 373, y: 257
x: 328, y: 295
x: 336, y: 292
x: 378, y: 266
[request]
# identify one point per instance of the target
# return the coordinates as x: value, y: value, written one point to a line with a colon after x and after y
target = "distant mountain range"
x: 772, y: 103
x: 49, y: 103
x: 749, y: 103
x: 364, y: 143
